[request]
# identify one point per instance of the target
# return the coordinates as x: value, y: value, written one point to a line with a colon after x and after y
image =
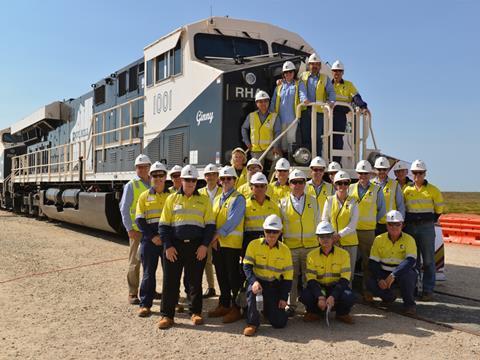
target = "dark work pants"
x: 149, y: 255
x: 339, y: 124
x: 343, y: 304
x: 172, y: 272
x: 406, y: 283
x: 306, y: 130
x: 271, y: 296
x: 227, y: 268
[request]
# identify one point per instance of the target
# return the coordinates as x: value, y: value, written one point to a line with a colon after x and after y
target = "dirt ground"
x: 63, y: 296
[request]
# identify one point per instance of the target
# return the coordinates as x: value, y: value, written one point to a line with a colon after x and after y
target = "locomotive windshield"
x: 222, y: 46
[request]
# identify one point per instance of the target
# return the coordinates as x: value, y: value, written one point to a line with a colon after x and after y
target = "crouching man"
x: 392, y: 263
x: 328, y: 276
x: 269, y: 271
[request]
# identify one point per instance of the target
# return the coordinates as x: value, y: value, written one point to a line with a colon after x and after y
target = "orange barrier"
x: 461, y: 228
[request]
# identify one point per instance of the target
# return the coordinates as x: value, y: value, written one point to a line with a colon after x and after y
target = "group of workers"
x: 274, y: 244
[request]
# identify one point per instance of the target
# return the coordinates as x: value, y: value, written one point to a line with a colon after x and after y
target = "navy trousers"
x: 406, y: 283
x: 343, y: 304
x: 149, y: 255
x: 271, y: 296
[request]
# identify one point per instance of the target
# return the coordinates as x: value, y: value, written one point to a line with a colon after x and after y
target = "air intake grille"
x: 175, y: 149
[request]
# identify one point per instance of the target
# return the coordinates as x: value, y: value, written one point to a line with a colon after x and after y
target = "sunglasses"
x: 259, y: 185
x: 175, y: 176
x: 226, y: 178
x: 325, y: 237
x: 318, y: 170
x: 418, y: 173
x: 395, y: 224
x: 272, y: 231
x: 282, y: 171
x: 158, y: 176
x: 289, y: 71
x: 190, y: 180
x: 297, y: 182
x: 342, y: 183
x: 381, y: 170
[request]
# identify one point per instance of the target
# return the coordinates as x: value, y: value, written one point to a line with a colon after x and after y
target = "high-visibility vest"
x: 255, y: 213
x: 299, y: 229
x: 150, y: 205
x: 235, y: 238
x: 277, y: 100
x: 261, y: 134
x: 390, y: 254
x: 203, y: 191
x: 345, y: 91
x: 247, y: 192
x: 427, y: 199
x: 320, y: 93
x: 242, y: 179
x: 367, y: 206
x: 138, y: 187
x: 172, y: 189
x: 279, y: 191
x: 340, y: 216
x: 324, y: 192
x: 269, y: 264
x: 328, y: 269
x: 390, y: 195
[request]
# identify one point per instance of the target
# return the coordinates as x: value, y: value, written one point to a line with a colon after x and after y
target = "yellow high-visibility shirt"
x: 255, y: 213
x: 390, y: 254
x: 150, y: 205
x: 345, y: 91
x: 328, y: 269
x: 427, y: 199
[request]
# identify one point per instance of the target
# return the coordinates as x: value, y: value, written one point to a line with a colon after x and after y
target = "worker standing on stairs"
x: 316, y: 186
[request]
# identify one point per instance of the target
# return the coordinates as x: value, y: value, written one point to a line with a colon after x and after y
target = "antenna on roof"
x: 211, y: 14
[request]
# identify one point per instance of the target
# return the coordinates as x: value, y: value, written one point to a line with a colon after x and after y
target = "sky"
x: 414, y: 62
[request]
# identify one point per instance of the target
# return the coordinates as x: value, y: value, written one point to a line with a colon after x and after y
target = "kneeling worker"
x: 328, y: 277
x: 392, y: 263
x: 269, y: 270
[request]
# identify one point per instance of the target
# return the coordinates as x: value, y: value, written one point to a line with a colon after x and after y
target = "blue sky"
x: 414, y: 62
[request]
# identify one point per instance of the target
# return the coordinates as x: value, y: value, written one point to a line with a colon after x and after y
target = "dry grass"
x: 462, y: 202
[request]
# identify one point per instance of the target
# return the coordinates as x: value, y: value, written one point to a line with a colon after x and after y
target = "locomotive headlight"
x: 302, y: 156
x: 250, y: 78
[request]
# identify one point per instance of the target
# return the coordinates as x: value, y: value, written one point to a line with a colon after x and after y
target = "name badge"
x: 177, y: 207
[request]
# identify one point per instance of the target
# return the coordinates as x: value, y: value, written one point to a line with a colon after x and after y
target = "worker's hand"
x: 306, y: 101
x: 135, y: 235
x: 382, y: 284
x: 277, y: 151
x: 201, y: 252
x: 336, y: 238
x: 331, y: 301
x: 282, y: 304
x: 156, y: 240
x: 279, y: 82
x: 214, y: 241
x: 389, y: 281
x: 171, y: 254
x: 322, y: 303
x: 365, y: 111
x: 256, y: 288
x: 249, y: 147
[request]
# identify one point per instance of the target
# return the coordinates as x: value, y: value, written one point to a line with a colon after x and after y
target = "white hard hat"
x: 297, y: 174
x: 363, y: 167
x: 288, y: 66
x: 254, y: 161
x: 394, y: 216
x: 157, y: 166
x: 142, y: 160
x: 334, y: 167
x: 175, y: 169
x: 318, y: 162
x: 314, y: 58
x: 239, y: 149
x: 400, y: 165
x: 259, y: 178
x: 273, y: 222
x: 324, y: 228
x: 337, y: 65
x: 262, y: 95
x: 282, y: 164
x: 227, y: 171
x: 210, y: 169
x: 418, y: 165
x: 341, y: 175
x: 382, y: 163
x: 189, y: 172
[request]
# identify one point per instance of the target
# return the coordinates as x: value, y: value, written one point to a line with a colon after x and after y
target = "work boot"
x: 427, y: 296
x: 157, y: 296
x: 311, y: 317
x: 233, y: 315
x: 249, y: 330
x: 290, y: 311
x: 210, y: 292
x: 197, y: 319
x: 165, y: 323
x: 144, y: 312
x: 367, y: 297
x: 219, y: 311
x: 347, y: 319
x: 411, y: 311
x: 389, y: 301
x: 133, y: 299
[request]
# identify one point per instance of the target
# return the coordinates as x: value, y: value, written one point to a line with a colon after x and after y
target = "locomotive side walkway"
x: 63, y: 295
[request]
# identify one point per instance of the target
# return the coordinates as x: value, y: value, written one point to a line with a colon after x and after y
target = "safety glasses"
x: 190, y: 180
x: 272, y: 231
x: 297, y: 182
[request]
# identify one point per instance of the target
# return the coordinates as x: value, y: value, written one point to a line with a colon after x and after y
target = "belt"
x: 418, y: 222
